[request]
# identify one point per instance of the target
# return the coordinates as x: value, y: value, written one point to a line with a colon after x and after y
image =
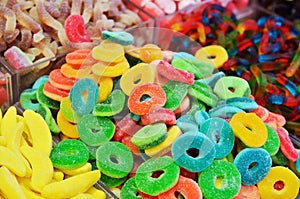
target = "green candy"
x: 112, y: 182
x: 95, y: 130
x: 150, y: 135
x: 114, y: 159
x: 196, y: 105
x: 175, y: 92
x: 129, y: 190
x: 113, y: 105
x: 122, y: 38
x: 46, y: 101
x: 154, y: 186
x: 273, y: 142
x: 280, y: 159
x: 46, y: 113
x: 40, y: 81
x: 28, y: 99
x: 204, y: 93
x: 229, y: 176
x: 69, y: 154
x: 188, y: 62
x: 67, y: 110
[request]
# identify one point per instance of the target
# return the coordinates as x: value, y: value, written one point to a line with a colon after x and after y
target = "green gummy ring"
x: 112, y: 182
x: 44, y: 100
x: 229, y: 176
x: 69, y: 154
x: 129, y: 190
x: 154, y: 186
x: 28, y: 99
x: 150, y: 135
x: 114, y: 159
x: 46, y: 113
x: 95, y: 130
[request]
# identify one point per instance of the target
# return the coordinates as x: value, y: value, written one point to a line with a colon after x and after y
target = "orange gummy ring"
x: 145, y: 97
x: 58, y: 80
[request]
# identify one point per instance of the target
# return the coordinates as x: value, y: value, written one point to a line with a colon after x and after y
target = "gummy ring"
x: 223, y: 171
x: 197, y: 143
x: 114, y: 159
x: 28, y: 98
x: 231, y: 86
x: 213, y: 53
x: 54, y: 93
x: 95, y: 130
x: 155, y: 97
x: 249, y: 128
x: 129, y: 189
x: 66, y: 127
x: 279, y: 175
x: 58, y: 80
x: 84, y: 96
x: 186, y: 187
x: 110, y: 70
x: 69, y: 154
x: 153, y: 186
x: 44, y: 100
x: 136, y: 75
x: 75, y: 29
x: 219, y: 132
x: 67, y: 110
x: 262, y: 163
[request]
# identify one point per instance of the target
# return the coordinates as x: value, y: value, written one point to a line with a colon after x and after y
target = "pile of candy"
x: 5, y: 89
x: 265, y: 52
x: 163, y: 124
x: 40, y: 29
x: 161, y: 8
x: 28, y: 165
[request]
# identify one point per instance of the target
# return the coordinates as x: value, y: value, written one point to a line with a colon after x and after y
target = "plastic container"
x: 6, y: 96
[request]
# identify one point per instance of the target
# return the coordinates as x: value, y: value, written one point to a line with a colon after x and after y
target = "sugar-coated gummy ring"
x: 28, y: 99
x: 69, y: 154
x: 122, y: 38
x: 280, y: 175
x: 46, y: 113
x: 249, y: 128
x: 114, y: 159
x: 186, y: 187
x: 231, y: 86
x: 193, y: 151
x: 273, y: 142
x: 44, y: 100
x: 150, y: 135
x: 219, y: 131
x: 112, y: 182
x: 95, y: 130
x: 153, y: 186
x: 155, y: 97
x: 129, y: 190
x: 225, y: 172
x: 203, y: 93
x: 262, y: 163
x: 136, y: 75
x: 67, y: 110
x: 213, y: 53
x: 40, y: 81
x: 84, y: 96
x: 113, y: 105
x: 75, y: 29
x: 53, y: 92
x: 58, y: 80
x: 67, y: 128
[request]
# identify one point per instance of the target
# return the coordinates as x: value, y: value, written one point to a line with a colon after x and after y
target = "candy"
x: 54, y: 93
x: 58, y: 80
x: 188, y: 62
x: 129, y: 190
x: 164, y: 147
x: 193, y: 151
x: 155, y: 97
x: 111, y: 69
x: 279, y: 183
x: 112, y: 182
x: 46, y: 113
x: 186, y: 187
x: 122, y: 38
x: 244, y: 103
x: 248, y: 192
x: 224, y: 111
x: 28, y: 99
x: 219, y: 132
x: 187, y: 123
x: 249, y: 128
x: 84, y: 96
x: 95, y: 130
x: 224, y: 172
x: 69, y: 154
x: 230, y: 86
x: 213, y: 53
x: 286, y: 145
x: 150, y: 52
x: 114, y: 159
x: 261, y: 161
x: 273, y: 142
x: 46, y: 101
x: 157, y: 115
x: 17, y: 58
x: 108, y: 52
x: 68, y: 111
x: 147, y: 183
x: 66, y: 127
x: 150, y: 135
x: 203, y: 93
x: 113, y: 105
x: 136, y: 75
x: 75, y: 29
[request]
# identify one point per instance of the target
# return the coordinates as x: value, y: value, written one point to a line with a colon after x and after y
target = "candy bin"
x: 6, y: 96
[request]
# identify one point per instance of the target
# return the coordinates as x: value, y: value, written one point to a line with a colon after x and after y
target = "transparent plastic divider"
x: 6, y: 95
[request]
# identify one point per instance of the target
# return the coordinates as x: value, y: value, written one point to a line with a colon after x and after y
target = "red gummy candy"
x: 159, y: 115
x: 3, y: 96
x: 75, y: 29
x: 287, y: 146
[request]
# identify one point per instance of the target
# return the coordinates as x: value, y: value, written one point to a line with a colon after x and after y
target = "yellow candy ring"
x: 249, y: 128
x: 105, y: 87
x: 111, y: 70
x: 109, y: 52
x: 213, y: 53
x: 66, y: 127
x: 280, y: 183
x: 138, y: 74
